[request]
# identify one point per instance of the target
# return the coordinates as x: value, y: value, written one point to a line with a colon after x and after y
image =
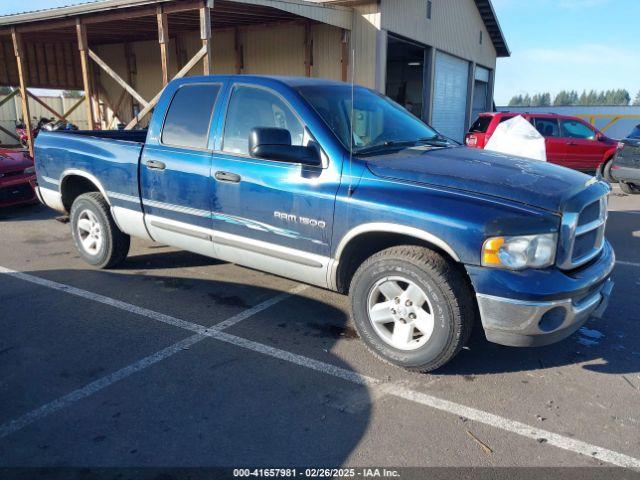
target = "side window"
x: 547, y: 127
x: 251, y: 108
x: 189, y: 116
x: 575, y: 129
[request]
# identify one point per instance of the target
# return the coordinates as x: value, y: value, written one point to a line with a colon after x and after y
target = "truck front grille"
x: 583, y: 237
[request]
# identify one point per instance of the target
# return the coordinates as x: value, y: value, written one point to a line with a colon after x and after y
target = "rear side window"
x: 635, y: 133
x: 575, y: 129
x: 251, y: 108
x: 481, y: 124
x: 547, y: 127
x: 189, y: 116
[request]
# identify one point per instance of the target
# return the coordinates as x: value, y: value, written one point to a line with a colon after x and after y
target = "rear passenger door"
x: 549, y: 128
x: 175, y: 171
x: 272, y: 215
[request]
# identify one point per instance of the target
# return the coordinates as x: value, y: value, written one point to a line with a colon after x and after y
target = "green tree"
x: 636, y: 101
x: 541, y: 100
x: 516, y: 101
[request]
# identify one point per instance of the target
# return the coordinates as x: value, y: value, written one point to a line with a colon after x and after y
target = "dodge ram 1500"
x: 342, y: 188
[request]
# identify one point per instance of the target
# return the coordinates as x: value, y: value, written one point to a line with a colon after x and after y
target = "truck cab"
x: 339, y: 187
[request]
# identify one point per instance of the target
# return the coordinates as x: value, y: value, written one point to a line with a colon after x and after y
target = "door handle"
x: 227, y: 177
x: 573, y: 144
x: 155, y: 165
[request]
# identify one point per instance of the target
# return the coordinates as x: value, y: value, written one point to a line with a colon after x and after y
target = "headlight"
x: 29, y: 170
x: 516, y: 253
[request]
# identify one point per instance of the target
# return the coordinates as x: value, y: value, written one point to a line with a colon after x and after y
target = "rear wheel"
x: 411, y: 307
x: 97, y: 237
x: 630, y: 188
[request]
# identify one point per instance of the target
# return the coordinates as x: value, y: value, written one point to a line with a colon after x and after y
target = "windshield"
x: 379, y: 123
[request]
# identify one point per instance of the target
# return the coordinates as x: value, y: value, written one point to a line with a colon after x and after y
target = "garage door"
x: 450, y: 96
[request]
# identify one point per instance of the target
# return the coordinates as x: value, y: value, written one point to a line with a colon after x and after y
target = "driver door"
x: 270, y: 214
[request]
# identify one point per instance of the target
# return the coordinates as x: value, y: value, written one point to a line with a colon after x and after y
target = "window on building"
x: 480, y: 37
x: 575, y: 129
x: 251, y: 108
x: 429, y: 6
x: 189, y: 116
x: 547, y: 127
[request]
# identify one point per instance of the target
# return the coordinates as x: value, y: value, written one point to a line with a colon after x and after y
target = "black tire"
x: 446, y: 289
x: 605, y: 171
x: 114, y: 245
x: 630, y: 188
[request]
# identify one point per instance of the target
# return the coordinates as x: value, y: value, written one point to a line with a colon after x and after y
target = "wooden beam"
x: 9, y: 133
x: 81, y: 31
x: 239, y: 51
x: 163, y: 39
x: 9, y: 97
x: 344, y: 61
x: 47, y: 107
x: 205, y: 36
x: 186, y: 69
x: 74, y: 107
x: 308, y: 50
x: 94, y: 56
x: 26, y: 115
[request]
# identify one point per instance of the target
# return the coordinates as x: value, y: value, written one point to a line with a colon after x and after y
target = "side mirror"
x: 275, y: 144
x: 601, y: 138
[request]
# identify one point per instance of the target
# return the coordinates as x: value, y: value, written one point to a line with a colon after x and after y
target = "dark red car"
x: 17, y: 178
x: 570, y: 141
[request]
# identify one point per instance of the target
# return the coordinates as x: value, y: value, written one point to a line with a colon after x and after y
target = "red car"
x: 571, y: 142
x: 17, y: 178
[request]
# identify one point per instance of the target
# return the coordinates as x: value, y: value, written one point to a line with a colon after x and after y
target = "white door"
x: 450, y: 96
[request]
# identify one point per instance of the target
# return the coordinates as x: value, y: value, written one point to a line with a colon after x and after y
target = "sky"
x: 555, y: 44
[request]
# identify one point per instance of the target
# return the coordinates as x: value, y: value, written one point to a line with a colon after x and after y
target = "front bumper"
x: 555, y: 304
x: 17, y: 190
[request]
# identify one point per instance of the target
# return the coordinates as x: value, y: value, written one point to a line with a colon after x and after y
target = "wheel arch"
x: 74, y: 182
x: 365, y: 240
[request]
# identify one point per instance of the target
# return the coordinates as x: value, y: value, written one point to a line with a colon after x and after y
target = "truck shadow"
x: 232, y: 406
x: 27, y: 213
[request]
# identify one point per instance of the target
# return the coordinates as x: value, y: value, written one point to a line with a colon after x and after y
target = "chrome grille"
x: 583, y: 234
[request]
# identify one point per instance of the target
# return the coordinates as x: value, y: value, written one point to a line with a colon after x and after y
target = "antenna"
x: 353, y: 95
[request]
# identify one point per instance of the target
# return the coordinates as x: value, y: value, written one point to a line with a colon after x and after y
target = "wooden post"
x: 345, y: 55
x: 26, y: 115
x: 239, y: 49
x: 205, y: 36
x: 163, y: 39
x: 81, y: 31
x: 308, y: 49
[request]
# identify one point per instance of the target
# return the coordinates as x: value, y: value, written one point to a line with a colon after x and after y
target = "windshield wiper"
x: 436, y: 141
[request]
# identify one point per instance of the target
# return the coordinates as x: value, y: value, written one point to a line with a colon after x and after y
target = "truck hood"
x: 517, y: 179
x: 11, y: 161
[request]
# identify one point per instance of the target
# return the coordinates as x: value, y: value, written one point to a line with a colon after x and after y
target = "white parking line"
x: 628, y: 264
x: 522, y: 429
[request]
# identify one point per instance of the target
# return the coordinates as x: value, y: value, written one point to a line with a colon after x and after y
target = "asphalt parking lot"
x: 179, y: 360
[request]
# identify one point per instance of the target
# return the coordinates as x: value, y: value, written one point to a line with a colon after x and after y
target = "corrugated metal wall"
x: 11, y: 111
x: 454, y: 27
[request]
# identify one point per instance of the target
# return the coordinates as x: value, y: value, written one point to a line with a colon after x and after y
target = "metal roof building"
x: 436, y: 57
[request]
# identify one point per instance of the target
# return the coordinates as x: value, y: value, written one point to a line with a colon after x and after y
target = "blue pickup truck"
x: 342, y: 188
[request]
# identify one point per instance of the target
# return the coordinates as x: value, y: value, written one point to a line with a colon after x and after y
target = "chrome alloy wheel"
x: 400, y: 313
x: 89, y: 232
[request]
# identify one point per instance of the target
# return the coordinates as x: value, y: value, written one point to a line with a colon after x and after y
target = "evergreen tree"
x: 636, y: 101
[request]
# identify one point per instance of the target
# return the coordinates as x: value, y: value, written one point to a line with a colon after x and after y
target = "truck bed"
x: 138, y: 136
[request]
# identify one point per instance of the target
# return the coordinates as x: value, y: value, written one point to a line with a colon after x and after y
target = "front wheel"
x: 97, y: 237
x: 605, y: 171
x: 411, y: 307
